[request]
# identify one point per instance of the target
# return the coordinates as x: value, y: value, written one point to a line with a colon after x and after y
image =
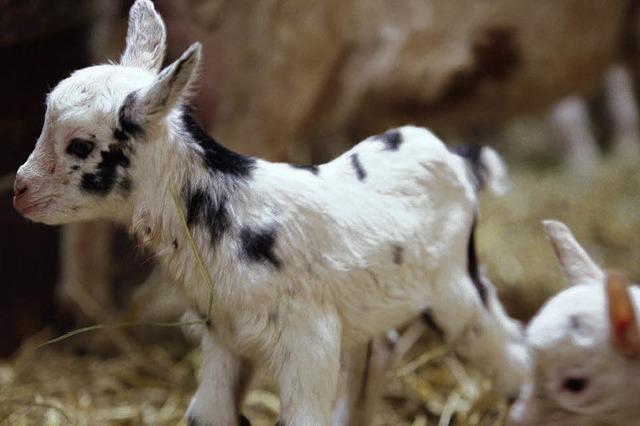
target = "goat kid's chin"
x: 29, y: 207
x: 48, y: 215
x: 48, y: 211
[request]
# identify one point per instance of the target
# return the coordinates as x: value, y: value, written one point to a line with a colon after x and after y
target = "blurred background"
x: 553, y: 86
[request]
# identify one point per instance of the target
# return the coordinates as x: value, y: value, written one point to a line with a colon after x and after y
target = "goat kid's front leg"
x: 306, y: 364
x: 223, y: 383
x: 361, y: 381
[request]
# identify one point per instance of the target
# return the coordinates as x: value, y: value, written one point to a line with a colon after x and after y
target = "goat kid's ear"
x: 146, y: 38
x: 152, y: 104
x: 576, y: 264
x: 625, y: 332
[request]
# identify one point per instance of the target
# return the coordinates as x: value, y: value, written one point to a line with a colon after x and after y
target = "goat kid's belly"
x: 376, y: 302
x: 367, y: 303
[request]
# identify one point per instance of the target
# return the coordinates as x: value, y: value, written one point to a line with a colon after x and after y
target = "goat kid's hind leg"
x: 306, y: 364
x: 361, y: 382
x: 479, y: 331
x: 223, y: 383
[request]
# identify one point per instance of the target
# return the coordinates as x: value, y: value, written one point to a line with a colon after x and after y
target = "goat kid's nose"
x: 20, y: 186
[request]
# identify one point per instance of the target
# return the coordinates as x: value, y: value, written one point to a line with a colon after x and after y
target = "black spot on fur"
x: 217, y: 158
x: 243, y: 421
x: 472, y: 265
x: 197, y: 202
x: 175, y: 243
x: 257, y: 245
x: 213, y: 214
x: 80, y: 148
x: 120, y: 135
x: 127, y: 125
x: 472, y: 154
x: 75, y: 167
x: 398, y: 253
x: 392, y: 139
x: 429, y: 320
x: 308, y: 167
x: 355, y: 163
x: 102, y: 181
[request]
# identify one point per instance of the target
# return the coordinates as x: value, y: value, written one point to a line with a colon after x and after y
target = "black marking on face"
x: 472, y: 153
x: 217, y: 158
x: 212, y: 214
x: 472, y: 265
x: 75, y: 167
x: 127, y: 126
x: 392, y: 139
x: 430, y: 321
x: 257, y: 245
x: 80, y: 148
x: 575, y: 384
x: 120, y: 135
x: 355, y: 163
x: 106, y: 176
x: 311, y: 168
x: 398, y: 254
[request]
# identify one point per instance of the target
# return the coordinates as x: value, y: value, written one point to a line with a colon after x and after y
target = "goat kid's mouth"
x: 28, y: 207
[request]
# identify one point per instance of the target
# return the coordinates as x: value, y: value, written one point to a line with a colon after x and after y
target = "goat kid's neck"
x: 202, y: 175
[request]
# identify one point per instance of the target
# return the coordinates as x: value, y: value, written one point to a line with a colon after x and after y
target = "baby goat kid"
x: 585, y: 345
x: 308, y: 262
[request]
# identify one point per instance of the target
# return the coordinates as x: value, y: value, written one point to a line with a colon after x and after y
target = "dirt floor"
x: 149, y: 383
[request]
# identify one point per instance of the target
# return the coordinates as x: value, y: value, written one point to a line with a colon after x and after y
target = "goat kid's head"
x: 585, y: 346
x: 96, y: 121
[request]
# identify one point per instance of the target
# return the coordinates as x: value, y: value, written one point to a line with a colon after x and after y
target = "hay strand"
x: 119, y: 325
x: 194, y: 248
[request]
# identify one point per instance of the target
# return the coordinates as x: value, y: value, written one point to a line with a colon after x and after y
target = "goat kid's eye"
x: 80, y: 148
x: 575, y: 385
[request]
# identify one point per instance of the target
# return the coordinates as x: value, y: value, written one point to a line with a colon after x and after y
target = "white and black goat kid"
x: 308, y: 263
x: 585, y: 347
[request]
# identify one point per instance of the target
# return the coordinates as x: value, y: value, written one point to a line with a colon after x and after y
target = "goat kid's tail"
x: 487, y: 168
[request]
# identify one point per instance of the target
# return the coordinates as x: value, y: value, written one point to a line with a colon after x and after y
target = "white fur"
x: 338, y: 285
x: 570, y: 338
